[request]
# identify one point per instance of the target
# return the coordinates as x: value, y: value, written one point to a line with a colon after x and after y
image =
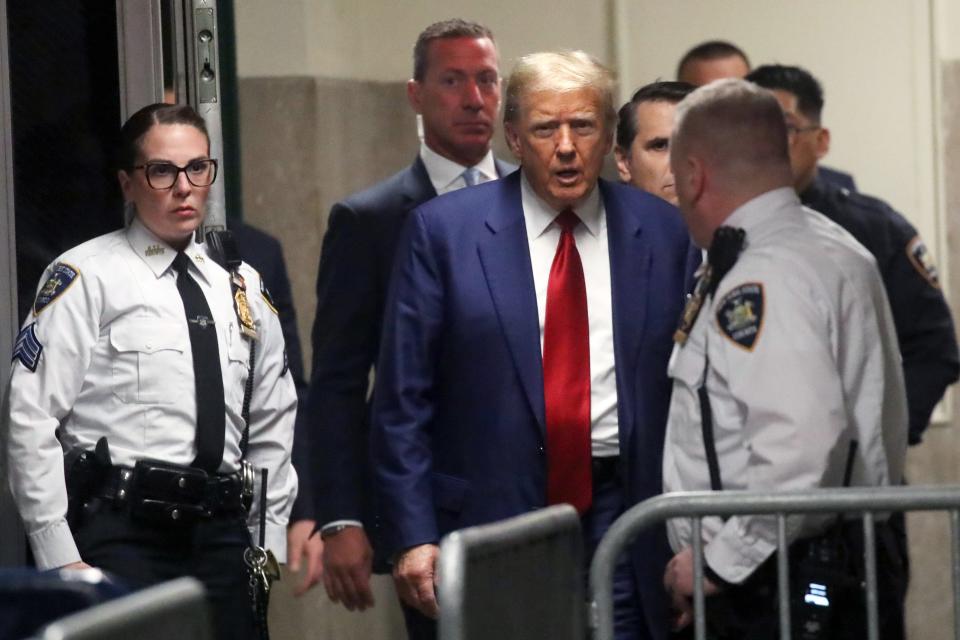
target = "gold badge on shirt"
x: 694, y: 303
x: 241, y: 306
x: 154, y: 250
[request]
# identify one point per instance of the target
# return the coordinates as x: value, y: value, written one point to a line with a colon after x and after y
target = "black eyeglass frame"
x: 146, y: 165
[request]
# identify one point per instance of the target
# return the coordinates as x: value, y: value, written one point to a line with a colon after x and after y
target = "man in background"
x: 718, y: 59
x: 712, y: 60
x: 456, y: 90
x: 924, y: 324
x: 643, y: 138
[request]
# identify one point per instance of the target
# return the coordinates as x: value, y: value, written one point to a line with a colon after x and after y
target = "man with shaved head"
x: 524, y: 354
x: 712, y: 60
x: 786, y: 376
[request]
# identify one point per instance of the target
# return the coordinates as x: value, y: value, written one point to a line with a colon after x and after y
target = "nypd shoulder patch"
x: 59, y: 281
x: 27, y: 349
x: 267, y: 297
x: 740, y: 314
x: 922, y: 261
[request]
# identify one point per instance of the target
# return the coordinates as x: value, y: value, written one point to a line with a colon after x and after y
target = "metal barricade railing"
x: 520, y: 578
x: 861, y: 502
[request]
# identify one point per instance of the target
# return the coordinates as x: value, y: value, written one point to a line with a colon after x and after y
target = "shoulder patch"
x: 740, y: 314
x: 59, y: 281
x: 922, y: 261
x: 267, y: 297
x: 27, y: 349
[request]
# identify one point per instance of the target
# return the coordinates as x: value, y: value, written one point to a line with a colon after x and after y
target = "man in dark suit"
x: 526, y: 335
x: 456, y: 90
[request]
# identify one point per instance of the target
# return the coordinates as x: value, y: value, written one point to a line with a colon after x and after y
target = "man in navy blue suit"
x: 525, y: 344
x: 456, y: 90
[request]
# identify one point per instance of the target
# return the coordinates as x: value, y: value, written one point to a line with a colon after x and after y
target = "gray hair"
x: 560, y: 71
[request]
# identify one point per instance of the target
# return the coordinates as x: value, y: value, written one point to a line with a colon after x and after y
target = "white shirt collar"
x: 759, y: 208
x: 157, y: 254
x: 447, y: 175
x: 539, y: 215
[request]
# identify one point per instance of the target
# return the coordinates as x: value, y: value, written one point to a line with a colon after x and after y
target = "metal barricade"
x: 862, y: 502
x: 174, y: 609
x: 520, y: 578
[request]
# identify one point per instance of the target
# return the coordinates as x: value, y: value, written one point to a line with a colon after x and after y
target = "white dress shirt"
x: 116, y: 362
x: 800, y: 356
x: 543, y: 236
x: 446, y: 175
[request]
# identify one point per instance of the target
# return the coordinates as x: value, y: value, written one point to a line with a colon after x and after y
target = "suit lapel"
x: 505, y: 256
x: 630, y: 258
x: 417, y: 187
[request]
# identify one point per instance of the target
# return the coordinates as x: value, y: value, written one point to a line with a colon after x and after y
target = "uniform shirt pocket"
x: 238, y: 358
x: 687, y: 371
x: 151, y: 361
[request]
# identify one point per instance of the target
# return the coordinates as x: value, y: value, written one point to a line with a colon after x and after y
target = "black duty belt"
x: 161, y: 492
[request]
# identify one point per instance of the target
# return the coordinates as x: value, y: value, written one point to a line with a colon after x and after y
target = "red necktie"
x: 566, y: 374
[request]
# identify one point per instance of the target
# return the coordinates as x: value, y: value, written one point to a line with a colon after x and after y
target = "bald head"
x: 729, y: 145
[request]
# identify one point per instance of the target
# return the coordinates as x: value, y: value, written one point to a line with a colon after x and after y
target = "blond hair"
x: 559, y: 71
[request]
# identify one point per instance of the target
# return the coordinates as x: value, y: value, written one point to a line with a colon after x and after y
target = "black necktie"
x: 207, y: 378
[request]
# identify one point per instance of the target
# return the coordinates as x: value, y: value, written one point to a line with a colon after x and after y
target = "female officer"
x: 127, y: 392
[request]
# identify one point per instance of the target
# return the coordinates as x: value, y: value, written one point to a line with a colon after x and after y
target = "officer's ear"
x: 823, y: 142
x: 126, y: 183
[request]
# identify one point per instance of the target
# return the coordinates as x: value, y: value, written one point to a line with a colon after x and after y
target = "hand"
x: 347, y: 557
x: 415, y: 577
x: 80, y: 564
x: 302, y: 543
x: 678, y: 581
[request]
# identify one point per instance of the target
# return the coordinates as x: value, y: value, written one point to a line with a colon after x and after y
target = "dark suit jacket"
x: 355, y: 267
x: 458, y: 427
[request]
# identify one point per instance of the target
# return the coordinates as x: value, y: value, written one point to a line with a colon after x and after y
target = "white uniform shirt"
x: 803, y: 358
x: 543, y: 236
x: 116, y: 362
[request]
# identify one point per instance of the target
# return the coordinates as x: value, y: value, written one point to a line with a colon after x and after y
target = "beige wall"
x: 373, y: 39
x: 323, y: 114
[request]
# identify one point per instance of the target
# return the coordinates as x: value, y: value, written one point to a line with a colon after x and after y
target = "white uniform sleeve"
x: 67, y: 329
x: 790, y: 395
x: 273, y: 409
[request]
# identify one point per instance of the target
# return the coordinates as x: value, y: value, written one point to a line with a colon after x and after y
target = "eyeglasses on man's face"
x: 163, y: 175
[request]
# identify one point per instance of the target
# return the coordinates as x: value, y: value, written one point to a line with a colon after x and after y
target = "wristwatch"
x: 329, y: 532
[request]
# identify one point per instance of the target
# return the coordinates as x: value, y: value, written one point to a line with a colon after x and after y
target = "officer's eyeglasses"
x: 163, y: 175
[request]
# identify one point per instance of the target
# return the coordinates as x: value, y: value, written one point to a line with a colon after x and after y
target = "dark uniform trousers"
x: 142, y: 555
x: 750, y: 611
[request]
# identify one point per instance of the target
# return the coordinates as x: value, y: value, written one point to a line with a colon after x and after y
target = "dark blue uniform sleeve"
x: 925, y: 328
